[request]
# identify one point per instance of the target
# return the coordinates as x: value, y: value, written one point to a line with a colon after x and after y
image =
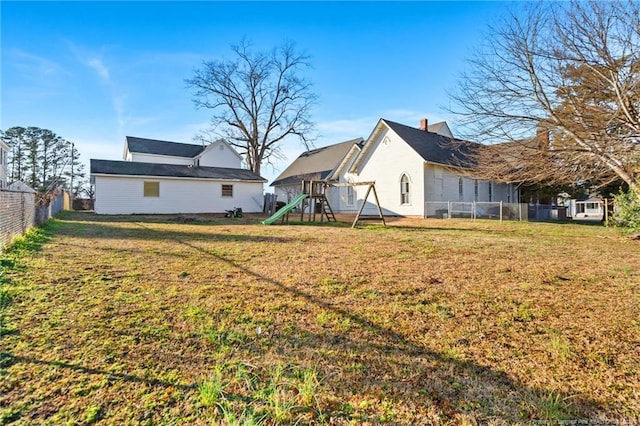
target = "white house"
x: 4, y: 153
x: 417, y: 171
x: 588, y: 209
x: 161, y: 177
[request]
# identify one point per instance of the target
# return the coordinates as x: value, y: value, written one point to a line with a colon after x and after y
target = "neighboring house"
x: 4, y: 153
x: 587, y: 209
x: 161, y: 177
x: 320, y: 164
x: 416, y: 172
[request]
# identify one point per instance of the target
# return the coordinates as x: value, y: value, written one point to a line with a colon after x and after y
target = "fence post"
x: 473, y: 210
x: 501, y: 211
x: 448, y: 209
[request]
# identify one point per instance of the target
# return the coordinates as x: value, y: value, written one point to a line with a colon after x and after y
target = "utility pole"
x: 73, y: 148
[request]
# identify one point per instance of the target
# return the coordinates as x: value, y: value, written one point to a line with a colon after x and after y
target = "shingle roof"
x: 130, y: 168
x: 433, y: 147
x: 158, y: 147
x: 315, y: 164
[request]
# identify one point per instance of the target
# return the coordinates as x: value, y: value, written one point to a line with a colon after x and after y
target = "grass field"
x: 146, y: 320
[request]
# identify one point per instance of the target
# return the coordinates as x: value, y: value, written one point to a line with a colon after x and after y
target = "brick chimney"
x: 424, y: 124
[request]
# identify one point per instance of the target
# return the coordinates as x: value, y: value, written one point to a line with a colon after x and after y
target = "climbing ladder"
x: 326, y: 209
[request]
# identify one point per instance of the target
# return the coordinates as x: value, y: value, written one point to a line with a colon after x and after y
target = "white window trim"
x: 222, y: 188
x: 404, y: 194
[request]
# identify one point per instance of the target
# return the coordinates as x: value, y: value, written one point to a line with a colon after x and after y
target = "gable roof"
x: 316, y: 164
x: 442, y: 128
x: 132, y: 168
x: 158, y: 147
x: 18, y: 185
x: 217, y: 143
x: 432, y: 147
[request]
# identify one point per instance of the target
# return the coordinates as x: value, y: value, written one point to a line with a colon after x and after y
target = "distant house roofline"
x: 316, y: 164
x: 160, y: 147
x: 158, y: 170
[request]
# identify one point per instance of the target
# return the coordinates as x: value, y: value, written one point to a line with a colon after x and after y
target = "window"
x: 404, y: 189
x: 152, y: 189
x: 351, y: 195
x: 460, y: 188
x: 490, y: 191
x: 227, y: 190
x: 475, y: 189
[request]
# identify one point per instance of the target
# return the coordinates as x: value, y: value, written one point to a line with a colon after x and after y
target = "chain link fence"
x: 493, y: 210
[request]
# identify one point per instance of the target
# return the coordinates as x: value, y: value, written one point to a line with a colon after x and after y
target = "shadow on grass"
x: 449, y: 397
x: 7, y: 359
x: 139, y: 231
x: 191, y: 219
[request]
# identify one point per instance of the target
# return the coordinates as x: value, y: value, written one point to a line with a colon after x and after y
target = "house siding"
x: 385, y: 163
x: 339, y: 195
x: 220, y: 155
x: 286, y: 193
x: 442, y: 184
x: 124, y: 195
x: 158, y: 159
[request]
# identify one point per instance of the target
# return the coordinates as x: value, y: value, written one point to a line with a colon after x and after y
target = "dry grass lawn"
x: 146, y: 320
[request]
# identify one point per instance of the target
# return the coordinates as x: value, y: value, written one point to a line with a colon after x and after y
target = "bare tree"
x: 561, y: 83
x: 258, y: 100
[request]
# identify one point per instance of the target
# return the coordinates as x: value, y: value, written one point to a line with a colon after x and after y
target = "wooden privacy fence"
x: 20, y: 210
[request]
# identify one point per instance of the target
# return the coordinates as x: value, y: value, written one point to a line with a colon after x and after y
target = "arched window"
x: 404, y: 189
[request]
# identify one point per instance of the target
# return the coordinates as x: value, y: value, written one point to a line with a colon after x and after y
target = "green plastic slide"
x: 286, y: 209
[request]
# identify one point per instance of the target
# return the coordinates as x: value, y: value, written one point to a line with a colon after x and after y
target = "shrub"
x: 627, y: 211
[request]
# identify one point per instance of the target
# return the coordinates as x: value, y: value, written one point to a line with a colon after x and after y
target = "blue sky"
x: 95, y: 72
